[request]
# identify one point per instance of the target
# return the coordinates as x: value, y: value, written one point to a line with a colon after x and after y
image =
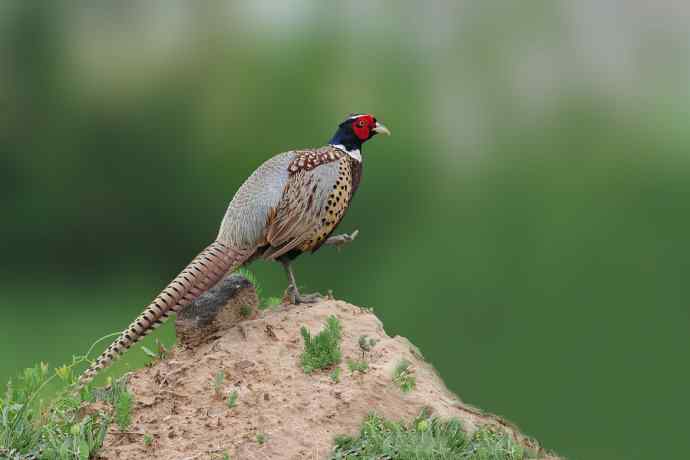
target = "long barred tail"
x: 202, y: 273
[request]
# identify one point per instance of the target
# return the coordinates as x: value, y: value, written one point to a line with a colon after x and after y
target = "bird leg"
x: 295, y: 297
x: 341, y: 240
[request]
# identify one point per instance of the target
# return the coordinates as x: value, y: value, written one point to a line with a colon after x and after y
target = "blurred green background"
x: 526, y: 225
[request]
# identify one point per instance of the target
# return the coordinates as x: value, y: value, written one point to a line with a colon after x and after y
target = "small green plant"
x: 263, y: 301
x: 31, y: 427
x: 218, y: 381
x: 261, y: 438
x: 251, y: 277
x: 272, y: 302
x: 245, y: 311
x: 357, y: 366
x: 366, y: 344
x: 425, y: 438
x: 160, y: 352
x: 226, y: 456
x: 403, y: 376
x: 232, y: 399
x: 335, y: 375
x: 148, y: 440
x: 488, y: 442
x: 123, y: 410
x: 323, y: 350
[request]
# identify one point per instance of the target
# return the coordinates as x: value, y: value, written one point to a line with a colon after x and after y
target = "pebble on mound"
x: 279, y: 411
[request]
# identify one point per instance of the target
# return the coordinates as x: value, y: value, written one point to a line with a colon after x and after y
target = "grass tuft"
x: 57, y: 427
x: 426, y: 438
x: 366, y: 343
x: 245, y: 311
x: 251, y: 277
x: 403, y: 376
x: 217, y: 384
x: 323, y: 350
x: 264, y: 302
x: 123, y: 410
x: 272, y: 302
x: 158, y: 355
x: 357, y: 366
x: 232, y: 399
x: 489, y: 443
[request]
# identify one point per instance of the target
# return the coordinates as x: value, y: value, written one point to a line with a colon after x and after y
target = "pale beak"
x: 380, y: 129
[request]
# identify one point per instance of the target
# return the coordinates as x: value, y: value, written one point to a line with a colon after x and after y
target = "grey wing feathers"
x: 244, y: 224
x: 277, y: 209
x: 300, y: 208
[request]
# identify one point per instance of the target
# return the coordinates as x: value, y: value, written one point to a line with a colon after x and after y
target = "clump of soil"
x: 182, y: 409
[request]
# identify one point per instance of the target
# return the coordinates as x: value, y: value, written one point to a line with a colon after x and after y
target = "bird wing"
x: 301, y: 209
x: 253, y: 206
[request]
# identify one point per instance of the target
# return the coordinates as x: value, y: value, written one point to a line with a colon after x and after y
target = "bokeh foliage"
x: 526, y: 225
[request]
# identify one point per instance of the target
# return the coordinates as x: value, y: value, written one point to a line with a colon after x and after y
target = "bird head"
x: 356, y: 130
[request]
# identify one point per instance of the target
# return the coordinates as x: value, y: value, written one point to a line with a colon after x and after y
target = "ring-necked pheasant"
x: 291, y: 204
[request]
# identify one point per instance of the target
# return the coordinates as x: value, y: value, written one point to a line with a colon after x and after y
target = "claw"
x: 292, y: 292
x: 308, y: 298
x: 296, y: 298
x: 340, y: 240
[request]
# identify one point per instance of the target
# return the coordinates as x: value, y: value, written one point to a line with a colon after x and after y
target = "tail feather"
x: 202, y: 273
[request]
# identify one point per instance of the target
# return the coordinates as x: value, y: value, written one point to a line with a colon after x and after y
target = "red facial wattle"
x: 362, y: 126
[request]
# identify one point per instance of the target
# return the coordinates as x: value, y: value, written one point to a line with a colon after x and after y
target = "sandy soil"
x: 297, y: 414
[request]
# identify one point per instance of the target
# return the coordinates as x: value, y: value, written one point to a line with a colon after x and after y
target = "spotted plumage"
x: 306, y: 160
x: 334, y: 210
x: 291, y: 204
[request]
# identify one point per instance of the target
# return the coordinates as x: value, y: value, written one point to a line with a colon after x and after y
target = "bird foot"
x: 341, y: 240
x: 297, y: 298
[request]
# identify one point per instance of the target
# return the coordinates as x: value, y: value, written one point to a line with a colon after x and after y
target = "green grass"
x: 357, y: 366
x: 366, y: 343
x: 41, y: 412
x: 232, y: 399
x: 264, y: 302
x: 56, y: 427
x: 426, y: 438
x: 218, y: 381
x: 245, y: 311
x: 271, y: 302
x: 123, y: 410
x: 403, y: 376
x: 160, y: 353
x: 323, y: 350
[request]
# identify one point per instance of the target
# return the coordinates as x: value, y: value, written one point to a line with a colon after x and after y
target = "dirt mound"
x: 280, y: 412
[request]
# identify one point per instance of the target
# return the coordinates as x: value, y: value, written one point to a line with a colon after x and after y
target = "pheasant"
x: 290, y: 205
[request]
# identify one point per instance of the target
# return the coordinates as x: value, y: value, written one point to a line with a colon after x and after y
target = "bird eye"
x: 360, y: 123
